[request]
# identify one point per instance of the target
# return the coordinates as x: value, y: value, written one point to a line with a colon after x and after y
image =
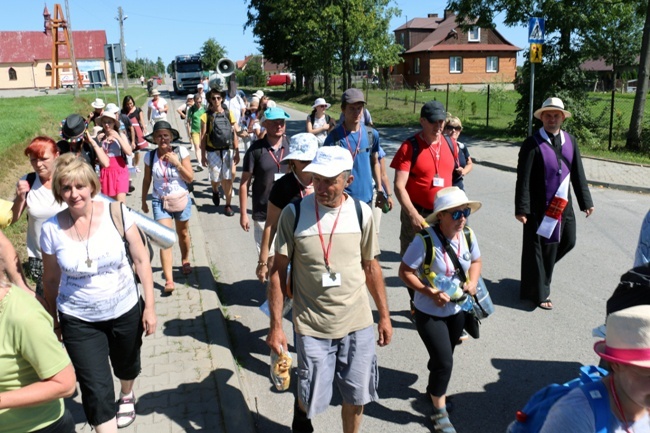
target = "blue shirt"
x: 362, y: 186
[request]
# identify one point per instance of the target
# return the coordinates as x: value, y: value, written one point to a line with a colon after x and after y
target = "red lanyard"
x: 618, y: 403
x: 163, y: 167
x: 302, y: 188
x: 272, y: 153
x: 356, y: 150
x: 326, y: 252
x: 444, y: 255
x: 436, y: 157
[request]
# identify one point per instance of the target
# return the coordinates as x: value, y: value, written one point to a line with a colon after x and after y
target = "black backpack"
x: 220, y: 130
x: 416, y: 149
x: 633, y: 290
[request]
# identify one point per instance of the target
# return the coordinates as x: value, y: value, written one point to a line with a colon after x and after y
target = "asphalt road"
x: 520, y: 349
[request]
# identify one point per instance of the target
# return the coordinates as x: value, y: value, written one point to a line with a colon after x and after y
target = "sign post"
x: 113, y: 53
x: 535, y: 39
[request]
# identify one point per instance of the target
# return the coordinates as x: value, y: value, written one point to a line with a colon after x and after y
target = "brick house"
x: 438, y: 52
x: 26, y: 57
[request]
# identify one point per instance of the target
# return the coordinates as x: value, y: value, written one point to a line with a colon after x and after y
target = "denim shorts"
x: 350, y: 361
x: 160, y: 214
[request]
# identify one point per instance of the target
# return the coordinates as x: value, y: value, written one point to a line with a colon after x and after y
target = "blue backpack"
x: 532, y: 417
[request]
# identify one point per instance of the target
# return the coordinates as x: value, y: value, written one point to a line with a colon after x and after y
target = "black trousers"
x: 538, y: 258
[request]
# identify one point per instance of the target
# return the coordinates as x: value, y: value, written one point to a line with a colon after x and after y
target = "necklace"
x: 92, y: 212
x: 618, y: 404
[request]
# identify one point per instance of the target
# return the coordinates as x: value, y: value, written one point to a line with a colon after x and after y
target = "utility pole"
x: 121, y: 17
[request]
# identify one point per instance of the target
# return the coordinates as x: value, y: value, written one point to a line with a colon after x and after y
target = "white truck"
x: 187, y: 73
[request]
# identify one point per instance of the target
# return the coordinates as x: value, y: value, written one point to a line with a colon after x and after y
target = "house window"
x: 416, y: 65
x: 455, y: 65
x: 48, y: 70
x: 401, y: 40
x: 474, y: 35
x: 492, y: 64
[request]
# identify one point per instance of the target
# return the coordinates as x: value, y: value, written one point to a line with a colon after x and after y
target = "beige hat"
x: 449, y: 198
x: 552, y: 104
x: 155, y: 92
x: 628, y: 337
x: 97, y: 103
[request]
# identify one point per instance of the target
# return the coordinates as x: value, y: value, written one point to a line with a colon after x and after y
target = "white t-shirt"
x: 414, y: 256
x: 166, y: 179
x: 235, y: 105
x: 156, y: 114
x: 105, y: 294
x: 319, y: 123
x: 40, y: 206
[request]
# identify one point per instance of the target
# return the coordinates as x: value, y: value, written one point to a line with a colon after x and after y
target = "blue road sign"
x: 536, y: 31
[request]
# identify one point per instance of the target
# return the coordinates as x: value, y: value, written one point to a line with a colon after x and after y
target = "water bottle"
x: 448, y: 286
x: 468, y: 304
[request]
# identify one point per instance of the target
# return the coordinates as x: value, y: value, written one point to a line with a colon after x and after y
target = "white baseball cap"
x: 302, y: 147
x: 330, y: 161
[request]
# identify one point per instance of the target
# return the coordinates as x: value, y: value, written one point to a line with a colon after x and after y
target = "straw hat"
x: 552, y: 104
x: 449, y: 198
x: 628, y: 337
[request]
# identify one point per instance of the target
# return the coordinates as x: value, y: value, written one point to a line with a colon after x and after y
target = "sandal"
x: 187, y: 268
x: 441, y: 421
x: 125, y: 411
x: 546, y: 305
x: 169, y: 287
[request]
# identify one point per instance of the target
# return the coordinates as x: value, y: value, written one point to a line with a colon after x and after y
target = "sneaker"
x: 138, y: 170
x: 464, y: 336
x: 131, y: 188
x: 198, y: 169
x: 228, y: 211
x: 216, y: 199
x: 300, y: 423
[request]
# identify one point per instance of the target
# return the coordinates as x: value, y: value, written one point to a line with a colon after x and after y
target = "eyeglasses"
x: 455, y: 215
x: 216, y: 98
x: 455, y: 128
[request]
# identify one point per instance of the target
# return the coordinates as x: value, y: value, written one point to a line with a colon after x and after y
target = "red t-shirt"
x: 419, y: 185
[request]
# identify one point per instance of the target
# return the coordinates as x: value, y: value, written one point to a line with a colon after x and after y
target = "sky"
x: 166, y: 28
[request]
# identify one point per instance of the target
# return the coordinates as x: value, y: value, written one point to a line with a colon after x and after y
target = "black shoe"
x: 198, y: 169
x: 215, y: 198
x: 228, y: 211
x: 131, y: 188
x: 300, y: 424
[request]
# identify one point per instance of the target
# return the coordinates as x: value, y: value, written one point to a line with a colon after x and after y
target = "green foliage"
x: 140, y: 67
x: 473, y: 108
x: 254, y: 75
x: 211, y: 52
x: 160, y: 66
x: 461, y: 102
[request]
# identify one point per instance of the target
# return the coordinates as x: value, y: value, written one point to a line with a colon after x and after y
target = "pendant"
x: 88, y: 262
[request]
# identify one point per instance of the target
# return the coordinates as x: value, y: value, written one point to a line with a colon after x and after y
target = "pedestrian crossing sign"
x: 535, y: 53
x: 536, y: 31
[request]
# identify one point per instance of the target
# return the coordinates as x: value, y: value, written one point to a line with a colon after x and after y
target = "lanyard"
x: 302, y: 189
x: 436, y: 156
x: 272, y: 153
x: 618, y: 403
x: 444, y: 255
x: 326, y: 252
x: 163, y: 167
x: 356, y: 150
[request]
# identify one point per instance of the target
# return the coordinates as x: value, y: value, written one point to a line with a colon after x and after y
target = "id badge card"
x: 85, y: 266
x: 438, y: 181
x: 332, y: 279
x: 277, y: 176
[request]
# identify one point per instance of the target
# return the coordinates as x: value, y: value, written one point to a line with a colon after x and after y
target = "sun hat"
x: 97, y: 103
x: 110, y: 111
x: 628, y: 337
x: 162, y: 124
x: 449, y: 198
x: 352, y: 96
x: 433, y: 111
x: 255, y: 102
x: 321, y: 101
x: 552, y: 104
x: 270, y: 103
x: 275, y: 113
x: 189, y: 96
x: 330, y: 161
x: 199, y: 86
x: 72, y: 127
x: 258, y: 94
x: 155, y: 92
x: 302, y: 147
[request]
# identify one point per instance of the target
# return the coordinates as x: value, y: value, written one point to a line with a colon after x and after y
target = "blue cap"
x: 275, y: 113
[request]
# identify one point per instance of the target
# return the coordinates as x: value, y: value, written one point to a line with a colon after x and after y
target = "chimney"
x: 432, y: 15
x: 448, y: 12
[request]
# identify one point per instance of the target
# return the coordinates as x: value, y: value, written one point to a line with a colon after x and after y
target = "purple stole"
x: 555, y: 171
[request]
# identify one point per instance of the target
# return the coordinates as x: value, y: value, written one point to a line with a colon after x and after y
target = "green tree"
x: 211, y: 52
x: 253, y: 73
x: 160, y: 66
x: 636, y: 121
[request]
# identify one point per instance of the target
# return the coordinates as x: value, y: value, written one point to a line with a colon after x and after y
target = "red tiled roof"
x: 430, y: 23
x: 27, y: 46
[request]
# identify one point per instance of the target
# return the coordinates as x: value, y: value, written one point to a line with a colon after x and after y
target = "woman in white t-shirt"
x: 34, y: 195
x: 157, y: 108
x: 92, y: 295
x: 318, y: 123
x: 171, y: 172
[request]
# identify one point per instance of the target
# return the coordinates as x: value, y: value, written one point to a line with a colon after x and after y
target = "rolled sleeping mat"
x: 6, y: 215
x: 158, y: 234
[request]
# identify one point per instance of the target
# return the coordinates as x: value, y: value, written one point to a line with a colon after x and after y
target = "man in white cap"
x: 200, y: 91
x: 332, y: 248
x: 548, y: 161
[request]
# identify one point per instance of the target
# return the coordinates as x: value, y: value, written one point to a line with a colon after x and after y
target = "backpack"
x: 296, y: 206
x: 117, y: 216
x: 190, y: 185
x: 416, y: 149
x: 633, y: 290
x: 31, y: 178
x: 532, y: 417
x: 220, y: 130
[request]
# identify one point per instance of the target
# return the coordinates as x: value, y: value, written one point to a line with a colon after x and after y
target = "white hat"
x: 302, y: 147
x: 112, y: 107
x: 449, y: 198
x: 189, y: 96
x: 155, y: 92
x: 330, y: 161
x: 258, y: 94
x: 199, y: 86
x: 271, y: 104
x: 551, y: 104
x: 255, y: 102
x: 97, y: 103
x: 111, y: 111
x: 321, y: 101
x: 628, y: 337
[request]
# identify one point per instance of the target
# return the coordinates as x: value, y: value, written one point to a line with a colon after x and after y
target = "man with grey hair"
x: 330, y: 240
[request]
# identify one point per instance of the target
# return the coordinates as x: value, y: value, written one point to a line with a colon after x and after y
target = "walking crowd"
x: 317, y: 200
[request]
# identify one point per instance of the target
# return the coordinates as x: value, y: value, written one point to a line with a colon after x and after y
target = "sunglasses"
x: 455, y: 128
x: 457, y: 214
x: 216, y: 98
